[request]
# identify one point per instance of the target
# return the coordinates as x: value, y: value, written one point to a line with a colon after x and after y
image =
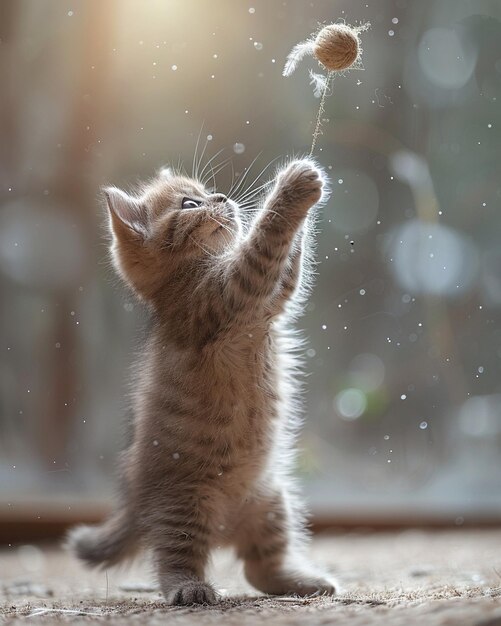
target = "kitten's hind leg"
x: 273, y: 549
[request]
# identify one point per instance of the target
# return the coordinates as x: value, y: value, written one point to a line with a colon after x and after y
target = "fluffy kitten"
x: 214, y: 400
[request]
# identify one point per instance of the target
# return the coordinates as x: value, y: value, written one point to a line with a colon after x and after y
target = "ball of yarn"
x: 336, y: 47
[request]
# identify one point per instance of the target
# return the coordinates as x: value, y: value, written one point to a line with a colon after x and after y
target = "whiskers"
x: 208, y: 171
x: 223, y: 226
x: 197, y: 243
x: 246, y: 189
x: 198, y: 159
x: 249, y: 192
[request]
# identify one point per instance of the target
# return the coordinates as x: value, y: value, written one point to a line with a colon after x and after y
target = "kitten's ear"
x: 126, y: 212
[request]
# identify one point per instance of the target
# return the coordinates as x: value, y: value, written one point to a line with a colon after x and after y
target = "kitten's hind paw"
x: 289, y: 582
x: 315, y: 587
x: 191, y: 592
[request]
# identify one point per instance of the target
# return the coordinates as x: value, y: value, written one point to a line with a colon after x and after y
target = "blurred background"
x: 404, y: 326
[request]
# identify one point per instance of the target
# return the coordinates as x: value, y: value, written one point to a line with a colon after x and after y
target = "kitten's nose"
x: 218, y: 197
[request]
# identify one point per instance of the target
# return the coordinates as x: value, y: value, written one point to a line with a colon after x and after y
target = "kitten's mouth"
x: 218, y: 229
x: 219, y: 225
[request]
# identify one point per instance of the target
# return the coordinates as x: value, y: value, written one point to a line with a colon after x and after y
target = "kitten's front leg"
x: 258, y: 267
x: 291, y: 278
x: 181, y: 574
x: 180, y: 542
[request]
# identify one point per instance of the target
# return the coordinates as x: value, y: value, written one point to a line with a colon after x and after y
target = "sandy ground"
x: 413, y: 577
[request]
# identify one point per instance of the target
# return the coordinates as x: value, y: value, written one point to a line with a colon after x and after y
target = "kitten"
x: 214, y: 401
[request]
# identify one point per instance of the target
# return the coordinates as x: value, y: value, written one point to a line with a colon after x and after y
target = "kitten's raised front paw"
x: 301, y: 183
x: 191, y: 592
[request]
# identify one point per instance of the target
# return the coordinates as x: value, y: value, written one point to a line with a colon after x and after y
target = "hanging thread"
x: 321, y: 109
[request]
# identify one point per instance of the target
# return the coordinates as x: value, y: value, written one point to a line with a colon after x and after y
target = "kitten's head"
x: 173, y: 221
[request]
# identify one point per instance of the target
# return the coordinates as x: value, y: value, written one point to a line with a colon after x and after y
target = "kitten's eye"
x: 188, y: 203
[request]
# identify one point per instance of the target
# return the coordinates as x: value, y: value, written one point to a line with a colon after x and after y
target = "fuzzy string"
x: 321, y: 109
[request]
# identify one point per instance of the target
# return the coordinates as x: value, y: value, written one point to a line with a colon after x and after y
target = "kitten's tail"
x: 107, y: 544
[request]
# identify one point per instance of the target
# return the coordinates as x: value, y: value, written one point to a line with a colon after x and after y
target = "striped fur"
x: 214, y: 396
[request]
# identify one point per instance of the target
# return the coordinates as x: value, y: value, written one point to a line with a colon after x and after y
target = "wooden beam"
x: 31, y: 525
